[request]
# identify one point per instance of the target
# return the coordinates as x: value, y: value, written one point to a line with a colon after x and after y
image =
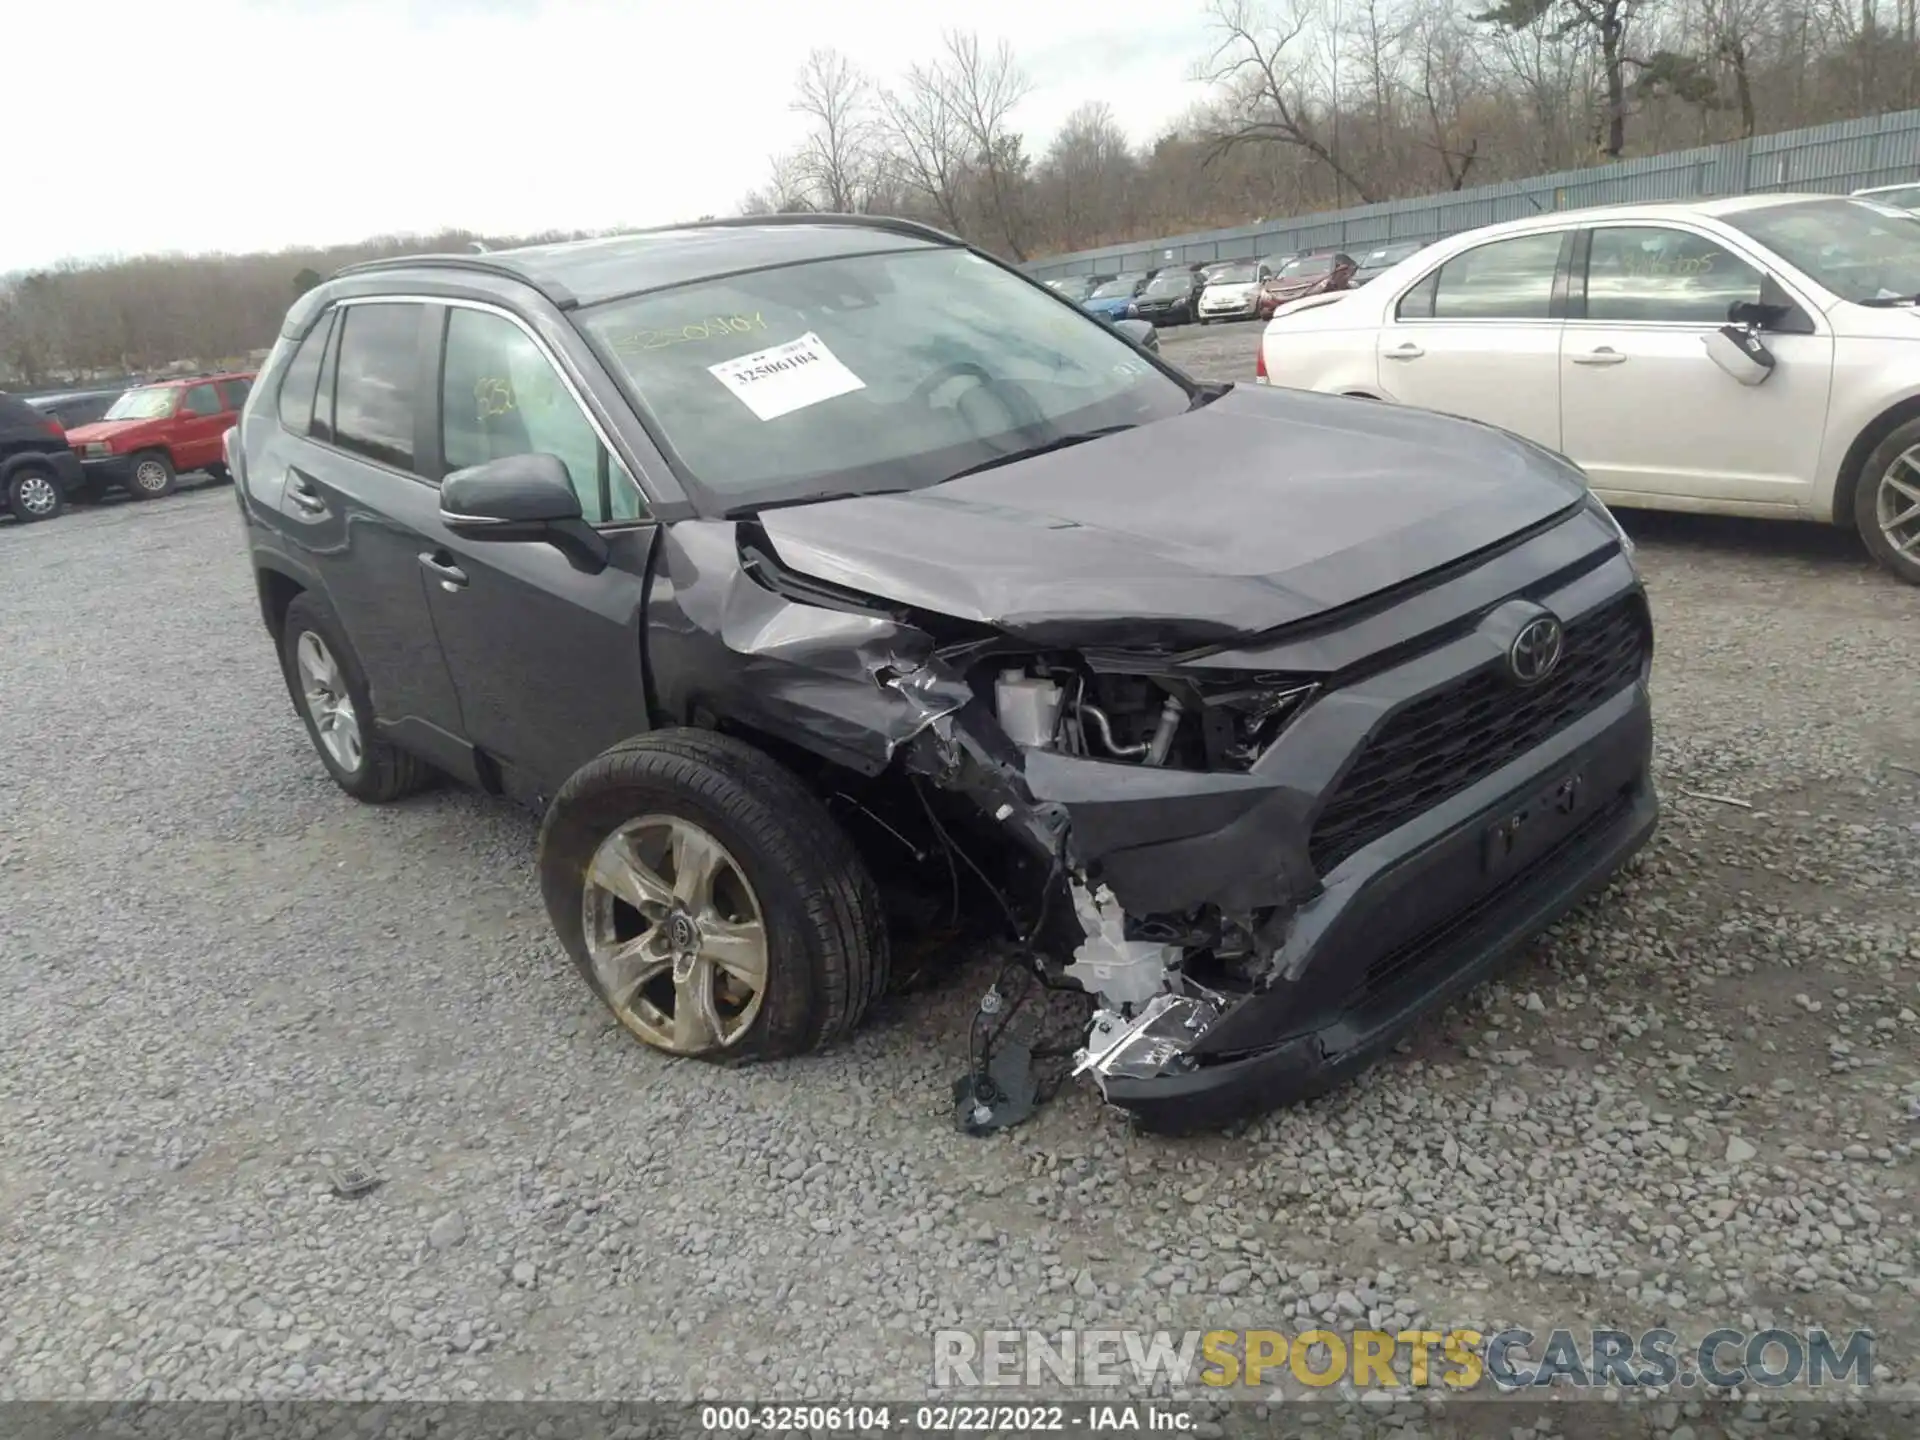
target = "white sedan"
x: 1752, y: 356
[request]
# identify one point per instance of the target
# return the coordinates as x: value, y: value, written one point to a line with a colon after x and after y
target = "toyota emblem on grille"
x: 1536, y: 650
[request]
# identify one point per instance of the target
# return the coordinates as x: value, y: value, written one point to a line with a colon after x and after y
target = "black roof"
x: 585, y: 272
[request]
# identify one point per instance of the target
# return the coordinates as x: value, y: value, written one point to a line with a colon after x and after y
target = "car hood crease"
x: 1263, y: 508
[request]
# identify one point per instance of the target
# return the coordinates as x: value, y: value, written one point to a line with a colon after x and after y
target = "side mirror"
x: 1140, y: 332
x: 1738, y: 350
x: 521, y: 497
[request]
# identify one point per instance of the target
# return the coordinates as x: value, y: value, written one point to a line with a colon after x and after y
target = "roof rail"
x: 894, y: 223
x: 559, y: 294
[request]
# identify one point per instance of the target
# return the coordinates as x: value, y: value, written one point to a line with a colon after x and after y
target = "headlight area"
x: 1090, y: 732
x: 96, y: 449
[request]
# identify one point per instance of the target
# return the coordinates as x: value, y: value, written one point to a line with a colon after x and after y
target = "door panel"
x: 1643, y: 407
x: 546, y: 658
x: 197, y: 427
x: 360, y: 525
x: 1506, y: 375
x: 1480, y: 336
x: 1658, y: 417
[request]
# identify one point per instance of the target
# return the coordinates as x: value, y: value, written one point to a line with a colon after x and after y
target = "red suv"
x: 153, y: 432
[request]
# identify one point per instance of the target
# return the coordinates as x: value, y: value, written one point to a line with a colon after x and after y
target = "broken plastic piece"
x: 352, y: 1180
x: 1122, y: 972
x: 1001, y: 1098
x: 1142, y: 1048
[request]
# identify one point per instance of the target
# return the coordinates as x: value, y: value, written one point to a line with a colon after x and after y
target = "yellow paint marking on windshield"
x: 716, y: 327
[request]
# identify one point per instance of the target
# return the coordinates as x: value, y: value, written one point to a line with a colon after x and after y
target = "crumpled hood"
x: 105, y: 430
x: 1266, y: 507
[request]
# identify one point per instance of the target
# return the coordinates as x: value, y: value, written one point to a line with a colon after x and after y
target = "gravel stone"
x: 221, y: 975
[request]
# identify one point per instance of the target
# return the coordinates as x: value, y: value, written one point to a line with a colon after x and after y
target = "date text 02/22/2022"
x: 945, y: 1419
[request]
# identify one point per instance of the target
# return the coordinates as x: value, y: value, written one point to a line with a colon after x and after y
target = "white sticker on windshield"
x: 788, y: 377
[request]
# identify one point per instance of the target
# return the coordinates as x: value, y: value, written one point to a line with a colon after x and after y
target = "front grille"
x: 1439, y: 745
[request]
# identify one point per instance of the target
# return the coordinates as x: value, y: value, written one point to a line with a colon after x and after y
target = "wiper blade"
x: 1078, y: 437
x: 1887, y: 302
x: 754, y: 507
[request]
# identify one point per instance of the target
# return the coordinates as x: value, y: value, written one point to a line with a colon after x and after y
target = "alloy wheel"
x: 324, y: 690
x: 1897, y: 505
x: 150, y: 476
x: 37, y: 495
x: 675, y: 934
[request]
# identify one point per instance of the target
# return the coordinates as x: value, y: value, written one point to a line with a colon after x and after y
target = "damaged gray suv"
x: 800, y: 570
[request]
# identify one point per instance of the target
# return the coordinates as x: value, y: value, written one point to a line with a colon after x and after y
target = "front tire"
x: 33, y: 493
x: 329, y: 690
x: 150, y: 475
x: 1886, y: 503
x: 710, y: 900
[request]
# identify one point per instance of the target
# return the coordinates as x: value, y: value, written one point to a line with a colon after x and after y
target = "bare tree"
x: 984, y: 89
x: 1265, y: 103
x: 1447, y: 71
x: 837, y: 161
x: 926, y: 142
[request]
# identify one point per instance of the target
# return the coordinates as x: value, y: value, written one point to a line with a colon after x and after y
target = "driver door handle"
x: 440, y: 565
x: 1603, y: 355
x: 1406, y: 351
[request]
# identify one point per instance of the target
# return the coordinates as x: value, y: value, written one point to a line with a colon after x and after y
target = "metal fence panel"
x: 1878, y: 150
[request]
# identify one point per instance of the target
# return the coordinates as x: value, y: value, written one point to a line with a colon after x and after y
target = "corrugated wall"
x: 1883, y: 150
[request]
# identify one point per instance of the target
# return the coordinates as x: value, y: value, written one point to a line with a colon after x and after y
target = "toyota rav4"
x: 787, y: 564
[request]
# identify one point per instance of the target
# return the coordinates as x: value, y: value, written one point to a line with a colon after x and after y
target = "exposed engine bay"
x: 1158, y: 981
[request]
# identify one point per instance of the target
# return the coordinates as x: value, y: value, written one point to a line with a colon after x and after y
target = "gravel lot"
x: 1697, y: 1103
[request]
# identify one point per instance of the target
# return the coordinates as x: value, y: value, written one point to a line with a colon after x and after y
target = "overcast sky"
x: 254, y: 124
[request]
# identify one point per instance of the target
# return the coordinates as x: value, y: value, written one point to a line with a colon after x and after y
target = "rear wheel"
x: 1886, y: 503
x: 150, y: 475
x: 330, y: 692
x: 33, y: 493
x: 710, y: 900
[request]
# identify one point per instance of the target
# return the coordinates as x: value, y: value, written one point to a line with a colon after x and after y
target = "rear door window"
x: 235, y: 392
x: 1503, y: 280
x: 200, y: 400
x: 378, y: 380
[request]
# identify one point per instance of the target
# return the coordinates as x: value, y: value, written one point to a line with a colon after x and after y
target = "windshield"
x: 1392, y: 255
x: 1905, y: 196
x: 1306, y: 265
x: 1858, y: 249
x: 1123, y: 286
x: 874, y: 372
x: 1175, y: 284
x: 153, y: 403
x: 1236, y: 275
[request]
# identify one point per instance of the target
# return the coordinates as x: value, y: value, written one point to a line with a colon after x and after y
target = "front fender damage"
x: 1160, y: 866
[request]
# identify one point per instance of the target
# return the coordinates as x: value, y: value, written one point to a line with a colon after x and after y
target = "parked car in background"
x: 1170, y: 297
x: 1114, y: 299
x: 904, y: 550
x: 1755, y: 356
x: 1376, y: 262
x: 37, y: 470
x: 1903, y: 197
x: 153, y: 433
x: 76, y: 407
x: 1234, y: 292
x: 1303, y: 276
x: 1076, y: 287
